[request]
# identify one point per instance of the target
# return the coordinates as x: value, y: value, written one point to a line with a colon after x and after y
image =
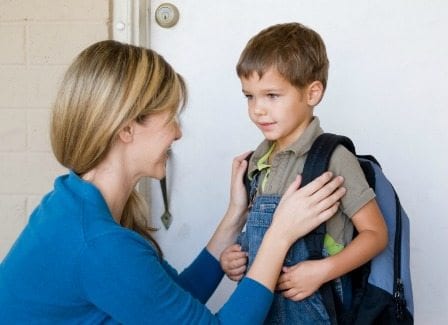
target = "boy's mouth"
x: 266, y: 126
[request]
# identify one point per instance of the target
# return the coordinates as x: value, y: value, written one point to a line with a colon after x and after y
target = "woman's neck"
x: 114, y: 185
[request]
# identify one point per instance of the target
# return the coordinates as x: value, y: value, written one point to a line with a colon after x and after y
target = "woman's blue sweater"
x: 74, y: 264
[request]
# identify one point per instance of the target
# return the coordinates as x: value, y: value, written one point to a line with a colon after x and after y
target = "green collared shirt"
x: 264, y: 166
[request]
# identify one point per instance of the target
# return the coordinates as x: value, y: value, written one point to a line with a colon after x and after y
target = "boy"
x: 283, y: 72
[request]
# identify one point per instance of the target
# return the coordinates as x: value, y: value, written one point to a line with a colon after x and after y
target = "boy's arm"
x: 365, y: 215
x: 370, y: 241
x: 303, y: 279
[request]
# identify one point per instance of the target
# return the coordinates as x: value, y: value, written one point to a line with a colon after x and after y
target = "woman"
x: 87, y: 255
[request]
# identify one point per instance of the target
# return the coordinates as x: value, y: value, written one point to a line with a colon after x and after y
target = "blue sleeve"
x: 201, y: 278
x: 249, y: 304
x: 121, y: 274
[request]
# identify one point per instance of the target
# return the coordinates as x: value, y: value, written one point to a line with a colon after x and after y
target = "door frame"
x: 131, y: 21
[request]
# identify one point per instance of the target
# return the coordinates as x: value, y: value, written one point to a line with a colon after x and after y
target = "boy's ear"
x: 314, y: 93
x: 126, y: 134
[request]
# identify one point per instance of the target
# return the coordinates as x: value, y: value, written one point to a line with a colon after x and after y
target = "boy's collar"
x: 301, y: 146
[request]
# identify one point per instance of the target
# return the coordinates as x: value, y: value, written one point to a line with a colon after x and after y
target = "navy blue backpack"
x: 382, y: 290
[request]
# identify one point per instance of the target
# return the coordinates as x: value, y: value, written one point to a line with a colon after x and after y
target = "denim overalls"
x: 283, y: 311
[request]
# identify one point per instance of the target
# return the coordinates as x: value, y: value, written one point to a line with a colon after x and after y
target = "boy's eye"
x: 273, y: 96
x: 248, y: 96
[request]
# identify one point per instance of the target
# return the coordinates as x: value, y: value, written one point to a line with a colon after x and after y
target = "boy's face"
x: 280, y: 110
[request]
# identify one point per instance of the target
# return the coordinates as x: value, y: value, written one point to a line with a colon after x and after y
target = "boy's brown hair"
x: 296, y: 51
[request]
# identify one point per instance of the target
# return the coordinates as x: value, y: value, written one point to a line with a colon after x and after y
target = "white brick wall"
x: 38, y: 39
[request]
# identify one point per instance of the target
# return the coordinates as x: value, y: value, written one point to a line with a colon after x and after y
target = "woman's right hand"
x: 238, y: 194
x: 235, y: 216
x: 303, y: 209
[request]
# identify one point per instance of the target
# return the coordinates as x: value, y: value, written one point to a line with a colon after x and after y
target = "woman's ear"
x: 314, y: 93
x: 126, y: 134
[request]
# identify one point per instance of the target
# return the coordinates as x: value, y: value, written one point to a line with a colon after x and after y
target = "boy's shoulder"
x: 343, y: 162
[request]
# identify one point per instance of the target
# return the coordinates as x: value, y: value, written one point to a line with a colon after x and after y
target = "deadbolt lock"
x: 167, y: 15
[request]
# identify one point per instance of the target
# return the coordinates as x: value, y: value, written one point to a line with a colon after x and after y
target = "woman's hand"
x: 238, y: 193
x: 299, y: 212
x: 234, y: 219
x: 303, y: 209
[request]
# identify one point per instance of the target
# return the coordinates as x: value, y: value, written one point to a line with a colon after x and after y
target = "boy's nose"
x: 259, y: 108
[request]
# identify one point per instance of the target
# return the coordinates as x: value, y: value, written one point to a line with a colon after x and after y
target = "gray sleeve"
x: 344, y: 163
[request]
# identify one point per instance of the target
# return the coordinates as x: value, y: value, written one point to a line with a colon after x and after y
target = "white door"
x: 386, y: 91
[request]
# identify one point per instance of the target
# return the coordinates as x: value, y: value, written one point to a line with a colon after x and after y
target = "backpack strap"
x: 398, y: 295
x: 316, y: 163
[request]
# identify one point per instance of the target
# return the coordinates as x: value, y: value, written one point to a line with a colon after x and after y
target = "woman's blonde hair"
x: 108, y: 85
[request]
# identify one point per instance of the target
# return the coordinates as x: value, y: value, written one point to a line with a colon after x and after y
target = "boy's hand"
x: 233, y: 262
x: 301, y: 280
